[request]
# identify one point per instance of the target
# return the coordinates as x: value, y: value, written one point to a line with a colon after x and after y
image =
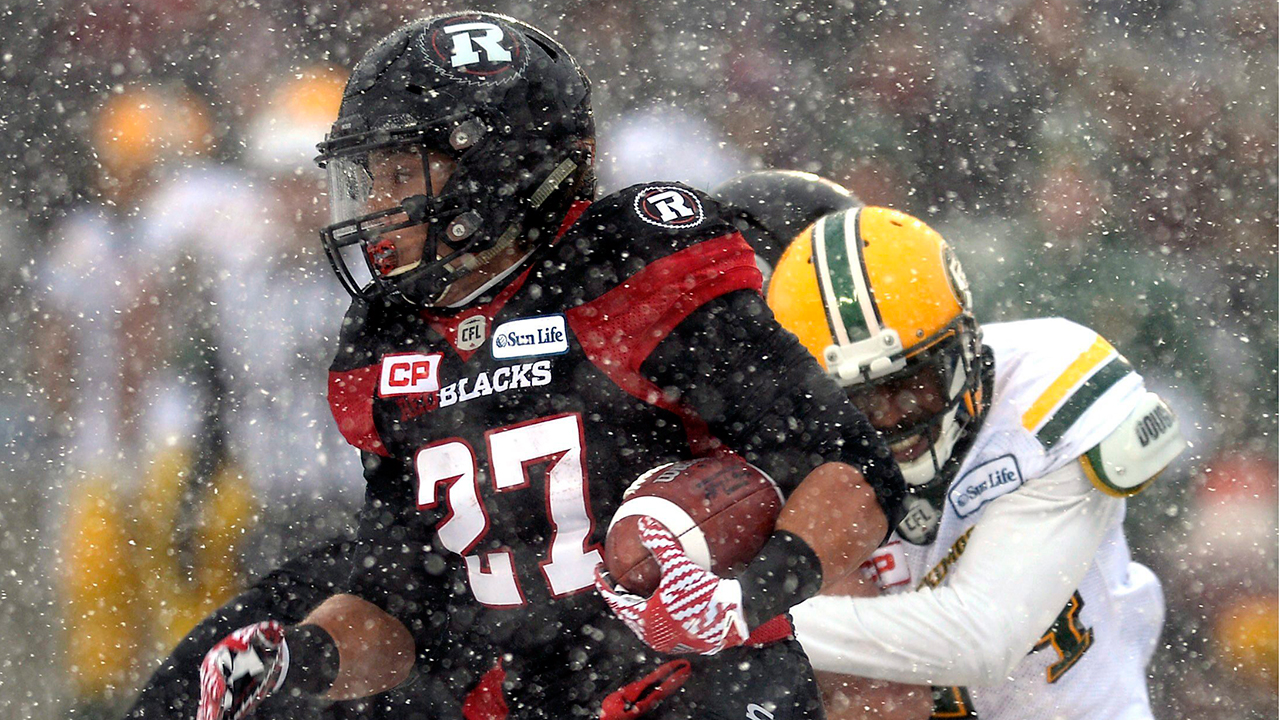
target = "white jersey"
x: 87, y: 279
x: 1028, y: 596
x: 276, y: 312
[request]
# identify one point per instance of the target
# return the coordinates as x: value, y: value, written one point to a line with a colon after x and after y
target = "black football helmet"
x: 504, y: 102
x: 770, y: 207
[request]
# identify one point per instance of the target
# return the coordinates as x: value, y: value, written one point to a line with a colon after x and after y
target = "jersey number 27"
x: 449, y: 468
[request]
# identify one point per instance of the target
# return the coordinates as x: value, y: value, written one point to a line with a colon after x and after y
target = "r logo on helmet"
x: 669, y: 207
x: 475, y: 49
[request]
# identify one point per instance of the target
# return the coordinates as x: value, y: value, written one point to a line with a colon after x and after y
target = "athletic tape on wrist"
x: 785, y: 573
x: 314, y: 659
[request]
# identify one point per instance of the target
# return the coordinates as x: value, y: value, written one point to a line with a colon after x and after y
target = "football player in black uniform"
x: 515, y: 355
x: 765, y: 206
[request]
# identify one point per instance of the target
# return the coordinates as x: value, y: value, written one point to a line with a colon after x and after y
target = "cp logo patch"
x: 669, y: 207
x: 475, y: 49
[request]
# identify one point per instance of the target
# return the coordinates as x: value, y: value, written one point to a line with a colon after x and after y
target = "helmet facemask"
x: 954, y: 367
x: 460, y: 232
x: 951, y: 369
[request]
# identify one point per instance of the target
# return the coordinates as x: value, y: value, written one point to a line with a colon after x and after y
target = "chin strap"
x: 492, y: 282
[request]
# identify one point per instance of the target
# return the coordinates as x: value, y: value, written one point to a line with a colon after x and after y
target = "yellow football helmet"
x: 144, y: 127
x: 282, y: 137
x: 877, y: 296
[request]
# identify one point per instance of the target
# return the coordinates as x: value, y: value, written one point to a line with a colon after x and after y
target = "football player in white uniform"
x: 1008, y: 587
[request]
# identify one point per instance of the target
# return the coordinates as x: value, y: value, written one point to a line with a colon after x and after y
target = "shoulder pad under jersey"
x: 622, y: 234
x: 1060, y: 389
x: 1142, y: 445
x: 654, y: 219
x: 1067, y: 372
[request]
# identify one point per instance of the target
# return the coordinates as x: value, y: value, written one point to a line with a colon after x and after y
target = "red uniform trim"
x: 485, y: 701
x: 351, y: 396
x: 770, y: 632
x: 575, y: 211
x: 619, y: 329
x: 641, y: 696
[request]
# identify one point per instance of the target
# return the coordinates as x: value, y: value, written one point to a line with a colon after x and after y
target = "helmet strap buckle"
x: 462, y: 227
x: 466, y: 135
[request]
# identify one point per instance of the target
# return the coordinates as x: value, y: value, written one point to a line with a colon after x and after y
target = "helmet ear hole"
x: 547, y: 47
x: 466, y: 135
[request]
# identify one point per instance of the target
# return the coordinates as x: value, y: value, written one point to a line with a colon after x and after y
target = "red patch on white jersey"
x: 888, y: 566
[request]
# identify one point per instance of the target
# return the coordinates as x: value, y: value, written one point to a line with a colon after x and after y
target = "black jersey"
x: 499, y: 440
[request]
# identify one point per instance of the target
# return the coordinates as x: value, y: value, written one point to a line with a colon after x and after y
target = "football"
x: 722, y: 509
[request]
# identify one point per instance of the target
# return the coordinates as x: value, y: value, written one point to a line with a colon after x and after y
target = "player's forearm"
x: 928, y: 646
x: 375, y: 651
x: 815, y: 541
x: 836, y: 513
x: 1019, y: 568
x: 375, y: 648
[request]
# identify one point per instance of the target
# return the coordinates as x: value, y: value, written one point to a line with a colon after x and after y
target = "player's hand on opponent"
x: 692, y: 611
x: 242, y: 670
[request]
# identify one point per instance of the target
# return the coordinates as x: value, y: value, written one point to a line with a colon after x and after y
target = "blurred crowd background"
x: 169, y: 317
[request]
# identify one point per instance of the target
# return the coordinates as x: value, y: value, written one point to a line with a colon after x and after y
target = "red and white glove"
x: 242, y: 670
x: 692, y: 611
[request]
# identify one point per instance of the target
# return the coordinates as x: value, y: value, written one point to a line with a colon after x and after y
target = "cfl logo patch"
x: 471, y: 332
x: 669, y: 207
x: 471, y: 48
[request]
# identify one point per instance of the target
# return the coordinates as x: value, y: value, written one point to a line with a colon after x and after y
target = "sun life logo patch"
x: 530, y: 337
x: 669, y: 207
x: 475, y: 49
x: 984, y: 483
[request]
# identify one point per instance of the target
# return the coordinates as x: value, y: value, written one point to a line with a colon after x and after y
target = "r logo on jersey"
x: 409, y: 374
x: 475, y: 49
x: 669, y: 207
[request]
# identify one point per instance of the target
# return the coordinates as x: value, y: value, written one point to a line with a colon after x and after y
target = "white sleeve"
x: 1025, y: 557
